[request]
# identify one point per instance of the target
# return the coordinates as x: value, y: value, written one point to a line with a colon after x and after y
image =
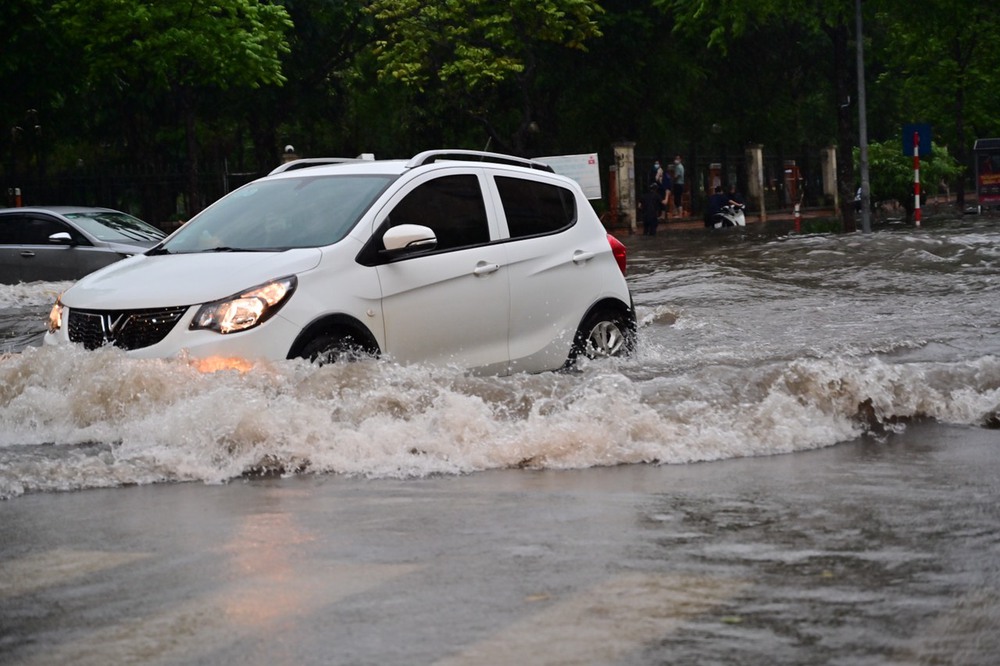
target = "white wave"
x: 29, y: 294
x: 73, y: 419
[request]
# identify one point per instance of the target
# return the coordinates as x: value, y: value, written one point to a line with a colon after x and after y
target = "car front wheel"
x: 335, y: 347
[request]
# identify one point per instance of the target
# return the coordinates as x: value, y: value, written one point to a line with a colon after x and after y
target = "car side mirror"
x: 407, y: 239
x: 61, y: 238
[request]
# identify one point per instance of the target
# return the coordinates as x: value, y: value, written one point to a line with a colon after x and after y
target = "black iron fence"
x: 155, y: 193
x: 787, y: 181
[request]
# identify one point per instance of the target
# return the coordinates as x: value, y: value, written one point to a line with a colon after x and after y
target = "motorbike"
x: 730, y: 215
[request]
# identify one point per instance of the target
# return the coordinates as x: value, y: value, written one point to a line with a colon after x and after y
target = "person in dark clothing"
x: 665, y: 187
x: 715, y: 203
x: 650, y: 206
x: 734, y: 197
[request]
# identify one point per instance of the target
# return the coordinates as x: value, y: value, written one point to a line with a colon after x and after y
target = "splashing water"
x: 748, y: 346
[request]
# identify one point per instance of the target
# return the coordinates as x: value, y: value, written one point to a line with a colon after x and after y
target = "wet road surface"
x: 871, y: 552
x: 798, y: 467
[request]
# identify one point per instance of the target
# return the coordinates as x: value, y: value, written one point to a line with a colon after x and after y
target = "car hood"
x: 183, y: 279
x: 132, y: 247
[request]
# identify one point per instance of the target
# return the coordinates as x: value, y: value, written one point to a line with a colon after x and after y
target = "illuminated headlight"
x: 56, y: 316
x: 245, y: 310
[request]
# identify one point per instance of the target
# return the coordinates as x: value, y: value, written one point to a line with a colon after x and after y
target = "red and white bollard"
x: 916, y: 178
x: 798, y: 219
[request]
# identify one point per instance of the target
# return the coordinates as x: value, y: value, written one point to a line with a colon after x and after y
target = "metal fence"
x: 787, y: 180
x: 158, y: 193
x: 155, y: 193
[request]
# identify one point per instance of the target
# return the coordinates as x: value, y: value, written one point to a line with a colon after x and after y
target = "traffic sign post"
x: 916, y: 178
x: 916, y: 142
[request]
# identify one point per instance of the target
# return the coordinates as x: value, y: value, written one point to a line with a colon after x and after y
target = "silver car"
x: 67, y: 242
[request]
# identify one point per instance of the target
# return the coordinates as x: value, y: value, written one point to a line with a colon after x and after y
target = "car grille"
x: 127, y: 329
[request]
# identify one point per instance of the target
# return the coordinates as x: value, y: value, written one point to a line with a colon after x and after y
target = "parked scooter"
x: 730, y: 215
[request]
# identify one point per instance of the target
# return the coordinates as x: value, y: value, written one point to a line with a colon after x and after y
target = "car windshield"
x: 280, y: 214
x: 114, y: 227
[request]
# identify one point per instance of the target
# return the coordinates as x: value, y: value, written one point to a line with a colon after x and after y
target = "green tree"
x: 467, y: 50
x: 721, y: 21
x: 165, y: 52
x: 327, y: 76
x: 942, y: 56
x: 891, y: 172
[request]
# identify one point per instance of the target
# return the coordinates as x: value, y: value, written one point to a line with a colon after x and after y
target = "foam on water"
x: 746, y: 349
x: 25, y: 294
x: 72, y: 419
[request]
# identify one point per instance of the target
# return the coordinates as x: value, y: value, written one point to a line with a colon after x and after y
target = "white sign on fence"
x: 581, y: 168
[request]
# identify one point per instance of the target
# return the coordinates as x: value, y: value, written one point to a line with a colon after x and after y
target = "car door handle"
x: 27, y: 253
x: 581, y: 257
x: 483, y: 268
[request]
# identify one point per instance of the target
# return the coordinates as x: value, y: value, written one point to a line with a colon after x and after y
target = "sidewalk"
x: 691, y: 222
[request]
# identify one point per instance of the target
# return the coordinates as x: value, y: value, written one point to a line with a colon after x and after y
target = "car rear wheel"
x: 605, y: 332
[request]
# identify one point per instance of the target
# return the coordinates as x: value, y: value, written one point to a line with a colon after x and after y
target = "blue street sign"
x: 924, y: 130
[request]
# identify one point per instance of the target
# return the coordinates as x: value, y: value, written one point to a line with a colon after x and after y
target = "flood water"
x: 799, y: 465
x: 751, y: 344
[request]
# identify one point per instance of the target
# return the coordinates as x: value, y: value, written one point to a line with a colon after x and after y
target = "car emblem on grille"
x: 111, y: 321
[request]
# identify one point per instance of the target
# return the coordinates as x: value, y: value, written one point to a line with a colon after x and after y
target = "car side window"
x: 452, y: 206
x: 533, y: 208
x: 10, y: 229
x: 29, y: 229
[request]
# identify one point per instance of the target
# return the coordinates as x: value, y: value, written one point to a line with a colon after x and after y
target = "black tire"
x: 604, y: 333
x: 335, y: 347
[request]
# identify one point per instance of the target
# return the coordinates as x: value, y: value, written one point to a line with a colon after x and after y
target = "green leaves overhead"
x: 474, y: 43
x: 165, y: 80
x: 167, y: 43
x: 720, y: 20
x: 892, y: 171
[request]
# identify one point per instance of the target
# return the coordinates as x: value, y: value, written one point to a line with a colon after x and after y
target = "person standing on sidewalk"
x: 679, y: 186
x: 665, y: 188
x: 650, y: 206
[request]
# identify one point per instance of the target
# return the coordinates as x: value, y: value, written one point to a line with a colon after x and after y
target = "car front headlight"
x: 246, y: 310
x: 56, y: 316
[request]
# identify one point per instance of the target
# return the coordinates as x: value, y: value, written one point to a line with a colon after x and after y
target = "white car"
x: 483, y: 261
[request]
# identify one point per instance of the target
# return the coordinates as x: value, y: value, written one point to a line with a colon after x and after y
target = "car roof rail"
x: 429, y: 156
x: 307, y: 162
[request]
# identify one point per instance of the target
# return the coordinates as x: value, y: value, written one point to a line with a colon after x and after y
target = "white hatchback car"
x: 479, y: 260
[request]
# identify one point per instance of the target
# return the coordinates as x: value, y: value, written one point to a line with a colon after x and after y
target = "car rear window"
x: 533, y: 208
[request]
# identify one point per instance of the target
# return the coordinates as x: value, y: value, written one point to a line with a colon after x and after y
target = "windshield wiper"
x: 227, y: 248
x: 159, y: 249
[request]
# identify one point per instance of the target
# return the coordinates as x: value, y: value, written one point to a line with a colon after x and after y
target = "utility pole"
x: 866, y: 221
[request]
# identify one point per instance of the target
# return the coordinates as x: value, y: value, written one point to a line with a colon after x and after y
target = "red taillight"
x: 620, y: 251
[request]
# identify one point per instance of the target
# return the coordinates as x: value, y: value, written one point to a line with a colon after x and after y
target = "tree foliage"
x: 232, y: 81
x: 942, y: 58
x: 474, y: 44
x: 466, y: 49
x: 170, y: 51
x: 892, y: 172
x: 169, y: 43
